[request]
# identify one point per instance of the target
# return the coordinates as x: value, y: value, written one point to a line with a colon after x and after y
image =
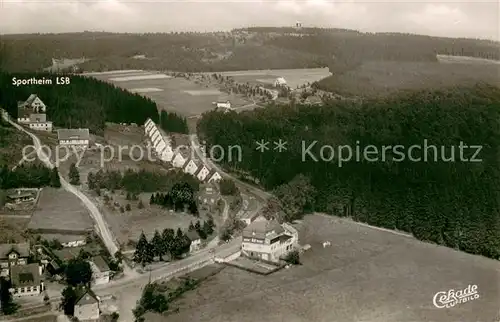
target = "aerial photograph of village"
x: 305, y: 161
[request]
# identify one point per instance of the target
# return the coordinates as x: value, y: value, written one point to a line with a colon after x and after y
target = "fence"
x: 228, y: 258
x: 185, y: 269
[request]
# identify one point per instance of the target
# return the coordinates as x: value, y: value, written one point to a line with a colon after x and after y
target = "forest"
x: 242, y: 49
x: 84, y: 103
x: 441, y: 199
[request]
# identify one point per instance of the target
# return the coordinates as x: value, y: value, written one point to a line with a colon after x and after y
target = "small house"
x: 100, y: 271
x: 213, y: 176
x: 226, y: 104
x: 280, y: 81
x: 34, y: 104
x: 190, y: 167
x: 87, y: 307
x: 195, y: 239
x: 202, y: 173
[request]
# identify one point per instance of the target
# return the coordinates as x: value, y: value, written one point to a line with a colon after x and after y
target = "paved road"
x: 103, y: 229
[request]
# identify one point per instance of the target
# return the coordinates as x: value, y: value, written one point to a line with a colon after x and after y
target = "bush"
x: 293, y: 257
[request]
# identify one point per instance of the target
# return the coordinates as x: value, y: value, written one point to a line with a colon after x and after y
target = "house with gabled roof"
x: 195, y: 239
x: 267, y: 240
x: 191, y: 166
x: 38, y: 122
x: 33, y: 103
x: 87, y: 307
x: 213, y: 176
x: 202, y: 172
x: 13, y: 255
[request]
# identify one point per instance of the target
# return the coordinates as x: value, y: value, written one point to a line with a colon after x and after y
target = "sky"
x: 472, y: 19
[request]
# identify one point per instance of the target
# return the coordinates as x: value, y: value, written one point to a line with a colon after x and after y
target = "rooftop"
x: 261, y: 229
x: 73, y: 134
x: 87, y: 298
x: 192, y: 235
x: 25, y: 275
x: 63, y: 238
x: 22, y: 249
x: 100, y: 263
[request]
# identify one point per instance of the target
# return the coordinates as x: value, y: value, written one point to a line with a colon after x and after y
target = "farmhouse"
x: 39, y: 122
x: 26, y: 280
x: 268, y: 240
x: 226, y: 104
x: 87, y: 307
x: 13, y: 255
x: 100, y: 271
x: 74, y: 137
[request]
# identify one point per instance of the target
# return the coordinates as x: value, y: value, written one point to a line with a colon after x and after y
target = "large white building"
x: 268, y: 240
x: 32, y: 113
x: 74, y: 137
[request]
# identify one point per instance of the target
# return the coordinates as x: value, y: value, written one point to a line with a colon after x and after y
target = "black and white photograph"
x: 249, y: 161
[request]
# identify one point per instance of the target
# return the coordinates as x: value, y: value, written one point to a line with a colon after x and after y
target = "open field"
x: 129, y: 225
x: 59, y: 210
x: 366, y: 275
x: 376, y: 78
x: 293, y: 77
x: 465, y: 60
x: 179, y: 95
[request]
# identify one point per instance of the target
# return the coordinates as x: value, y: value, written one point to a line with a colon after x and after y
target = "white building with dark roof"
x: 213, y: 176
x: 74, y: 137
x: 202, y: 172
x: 190, y: 167
x: 34, y: 104
x: 226, y: 104
x: 26, y: 280
x: 100, y: 270
x: 268, y: 240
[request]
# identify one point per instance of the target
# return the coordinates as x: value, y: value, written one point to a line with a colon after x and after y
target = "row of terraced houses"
x: 179, y: 155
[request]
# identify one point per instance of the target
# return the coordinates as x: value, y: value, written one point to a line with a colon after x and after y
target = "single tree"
x: 191, y: 227
x: 122, y: 210
x: 140, y: 205
x: 168, y: 237
x: 74, y: 175
x: 78, y: 271
x: 143, y: 251
x: 91, y: 181
x: 127, y: 207
x: 157, y: 245
x: 8, y: 306
x: 54, y: 178
x: 68, y: 300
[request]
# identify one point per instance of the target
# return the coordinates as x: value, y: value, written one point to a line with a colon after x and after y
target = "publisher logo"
x: 450, y: 298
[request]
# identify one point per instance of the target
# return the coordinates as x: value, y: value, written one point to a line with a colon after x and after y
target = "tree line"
x: 139, y: 181
x: 84, y: 103
x: 33, y: 175
x: 169, y: 244
x: 449, y: 203
x: 180, y: 198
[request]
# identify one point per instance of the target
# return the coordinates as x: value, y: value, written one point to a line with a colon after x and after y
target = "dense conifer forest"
x: 449, y: 202
x: 84, y: 103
